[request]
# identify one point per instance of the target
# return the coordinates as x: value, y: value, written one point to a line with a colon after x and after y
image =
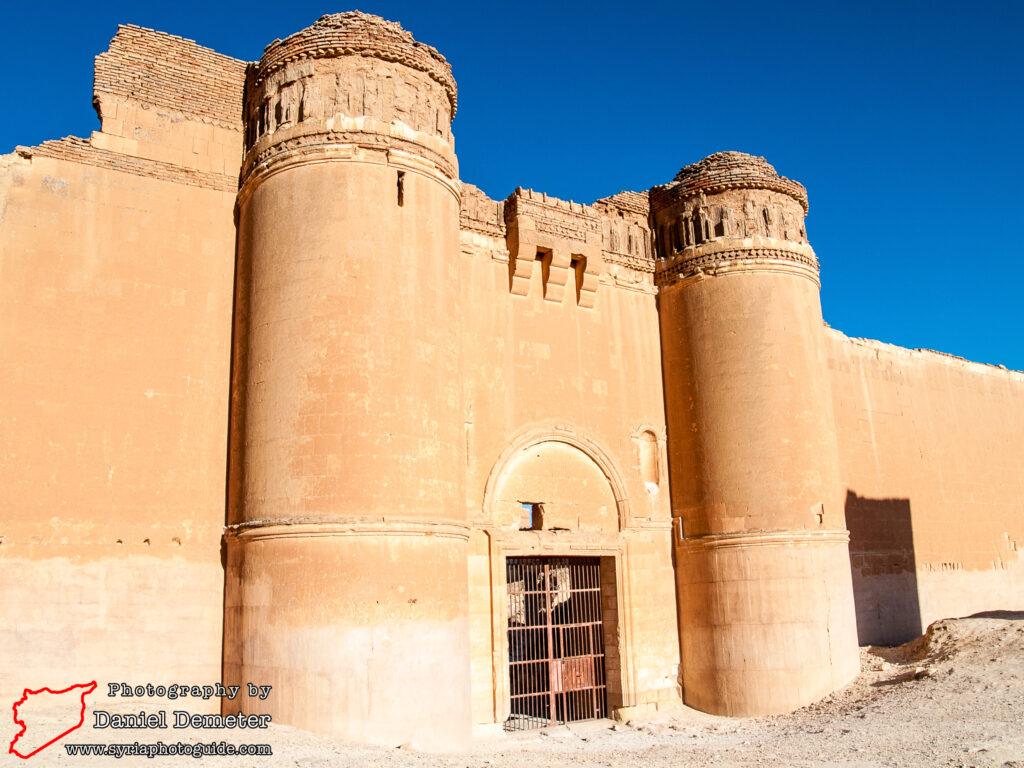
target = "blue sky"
x: 904, y: 121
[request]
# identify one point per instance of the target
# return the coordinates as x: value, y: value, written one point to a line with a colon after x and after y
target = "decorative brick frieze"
x: 730, y: 209
x: 350, y: 77
x: 354, y: 33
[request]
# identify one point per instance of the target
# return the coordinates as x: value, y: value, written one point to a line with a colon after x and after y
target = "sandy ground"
x: 952, y: 698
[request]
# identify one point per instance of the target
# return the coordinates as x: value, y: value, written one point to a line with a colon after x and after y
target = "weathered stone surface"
x: 270, y: 277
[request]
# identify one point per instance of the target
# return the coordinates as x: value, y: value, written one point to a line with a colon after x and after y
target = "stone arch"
x: 566, y: 435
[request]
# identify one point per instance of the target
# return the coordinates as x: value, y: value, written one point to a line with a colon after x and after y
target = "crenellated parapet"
x: 351, y: 82
x: 730, y: 210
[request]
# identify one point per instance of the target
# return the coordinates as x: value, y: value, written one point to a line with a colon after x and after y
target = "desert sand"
x: 950, y: 698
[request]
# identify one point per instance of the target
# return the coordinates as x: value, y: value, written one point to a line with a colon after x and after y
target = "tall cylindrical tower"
x: 346, y: 545
x: 766, y: 614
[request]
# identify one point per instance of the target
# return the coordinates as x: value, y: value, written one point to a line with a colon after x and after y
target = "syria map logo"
x: 42, y: 735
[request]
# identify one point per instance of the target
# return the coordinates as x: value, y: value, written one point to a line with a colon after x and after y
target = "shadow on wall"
x: 884, y: 570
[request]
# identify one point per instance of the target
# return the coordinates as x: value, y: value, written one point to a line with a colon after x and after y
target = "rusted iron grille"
x: 555, y: 641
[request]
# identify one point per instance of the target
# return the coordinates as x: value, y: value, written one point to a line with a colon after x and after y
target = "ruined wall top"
x: 734, y: 170
x: 362, y: 34
x: 634, y: 204
x: 163, y: 70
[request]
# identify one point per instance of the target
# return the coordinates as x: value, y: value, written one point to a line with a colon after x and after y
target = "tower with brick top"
x: 762, y: 565
x: 346, y: 544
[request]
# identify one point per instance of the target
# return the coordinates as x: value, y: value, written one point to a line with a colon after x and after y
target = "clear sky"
x: 903, y: 119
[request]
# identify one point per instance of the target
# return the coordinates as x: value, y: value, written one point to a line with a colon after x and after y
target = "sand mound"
x: 985, y: 634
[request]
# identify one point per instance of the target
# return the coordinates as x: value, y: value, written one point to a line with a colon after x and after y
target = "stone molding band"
x: 352, y: 129
x: 637, y: 263
x: 747, y: 539
x: 683, y: 270
x: 354, y: 151
x: 308, y: 528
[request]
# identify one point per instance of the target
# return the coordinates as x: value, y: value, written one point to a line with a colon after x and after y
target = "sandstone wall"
x: 930, y: 457
x: 560, y: 408
x: 531, y: 348
x: 117, y: 268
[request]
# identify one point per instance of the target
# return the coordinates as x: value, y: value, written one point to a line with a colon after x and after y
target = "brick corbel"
x: 522, y: 252
x: 588, y: 281
x: 556, y: 273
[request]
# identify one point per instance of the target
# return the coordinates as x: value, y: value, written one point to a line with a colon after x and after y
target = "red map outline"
x: 90, y: 687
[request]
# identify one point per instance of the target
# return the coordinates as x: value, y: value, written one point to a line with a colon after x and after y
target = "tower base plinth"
x: 766, y: 620
x: 361, y: 629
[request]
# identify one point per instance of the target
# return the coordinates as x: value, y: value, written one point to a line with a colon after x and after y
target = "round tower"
x: 765, y: 596
x: 346, y: 542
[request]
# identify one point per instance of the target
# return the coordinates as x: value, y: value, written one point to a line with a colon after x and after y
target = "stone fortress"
x: 288, y: 402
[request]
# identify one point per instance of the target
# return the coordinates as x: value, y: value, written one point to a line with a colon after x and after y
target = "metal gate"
x: 555, y: 641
